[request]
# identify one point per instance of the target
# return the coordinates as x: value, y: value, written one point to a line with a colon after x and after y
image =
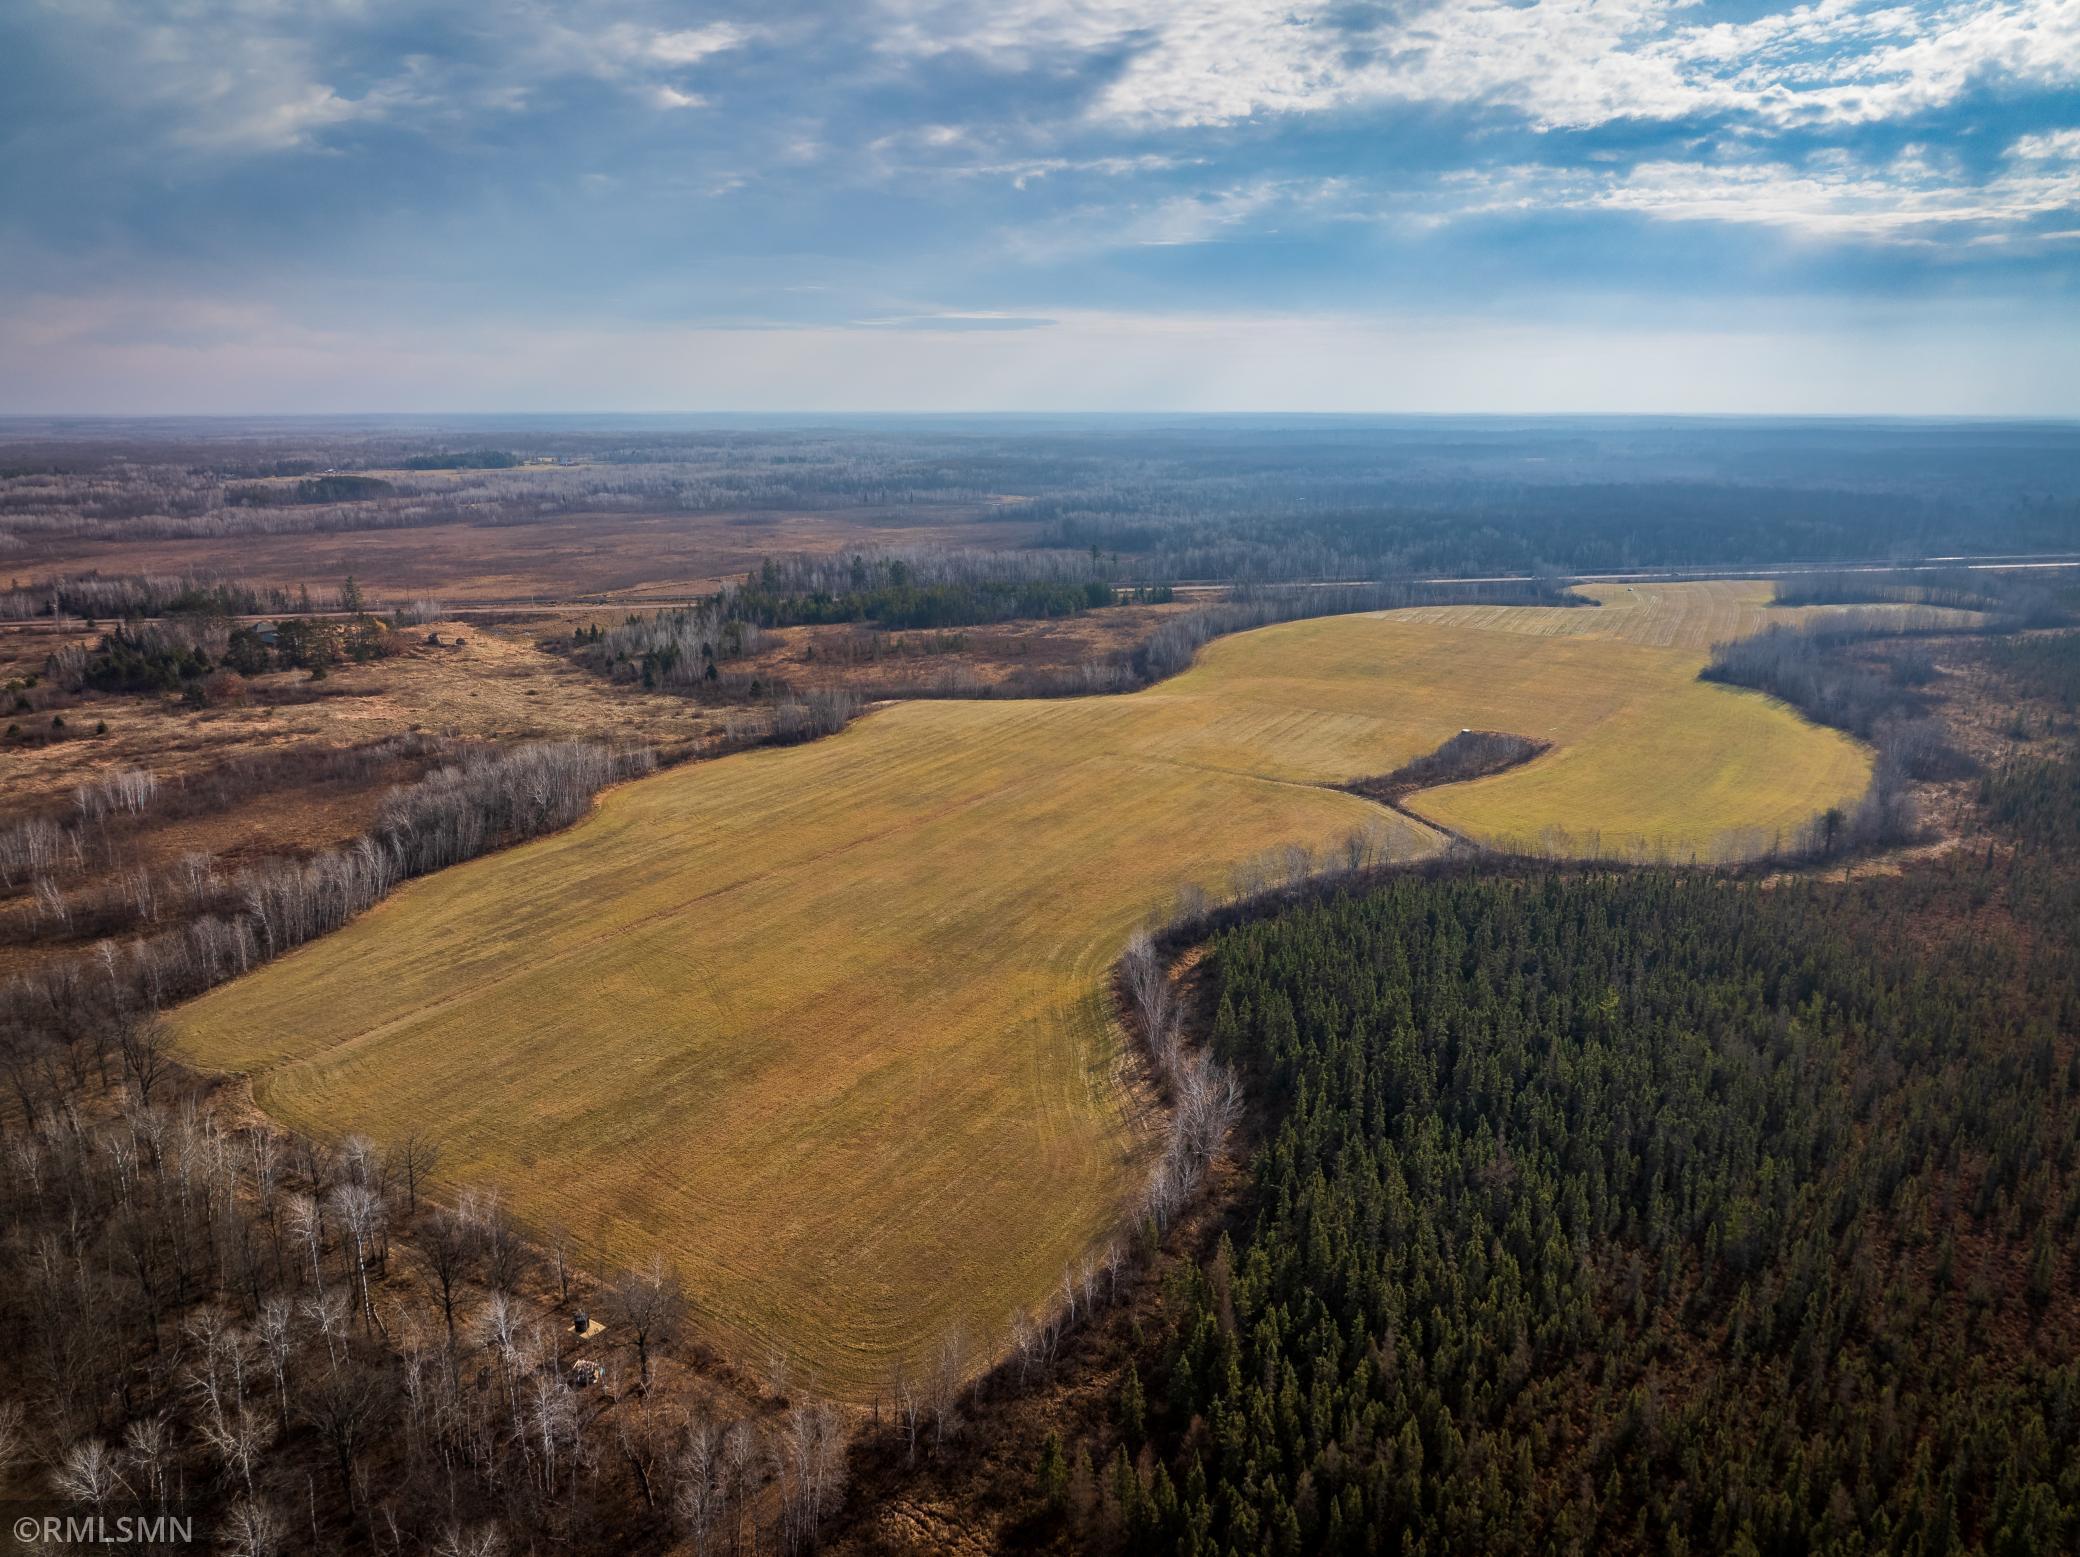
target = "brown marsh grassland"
x: 828, y: 1024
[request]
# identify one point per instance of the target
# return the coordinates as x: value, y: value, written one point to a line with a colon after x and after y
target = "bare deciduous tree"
x: 88, y: 1473
x: 649, y: 1302
x: 343, y: 1407
x: 558, y: 1245
x: 359, y: 1210
x: 698, y: 1492
x: 146, y: 1047
x: 253, y: 1528
x: 949, y: 1373
x: 446, y: 1250
x: 504, y: 1252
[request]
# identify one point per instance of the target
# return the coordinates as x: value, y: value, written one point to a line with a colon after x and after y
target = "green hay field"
x: 826, y: 1024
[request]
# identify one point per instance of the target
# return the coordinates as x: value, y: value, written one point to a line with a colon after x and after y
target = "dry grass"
x: 495, y: 687
x: 828, y: 1023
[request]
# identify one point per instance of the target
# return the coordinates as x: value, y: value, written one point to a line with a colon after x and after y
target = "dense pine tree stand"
x: 1642, y: 1212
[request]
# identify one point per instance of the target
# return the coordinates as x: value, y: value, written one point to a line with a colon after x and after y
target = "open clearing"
x: 827, y: 1024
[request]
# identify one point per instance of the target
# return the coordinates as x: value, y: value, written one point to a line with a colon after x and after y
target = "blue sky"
x: 1509, y: 205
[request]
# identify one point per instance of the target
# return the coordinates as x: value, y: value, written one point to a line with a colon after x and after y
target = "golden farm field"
x: 827, y: 1024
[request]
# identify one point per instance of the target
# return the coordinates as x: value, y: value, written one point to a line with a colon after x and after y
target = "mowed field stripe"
x: 827, y: 1024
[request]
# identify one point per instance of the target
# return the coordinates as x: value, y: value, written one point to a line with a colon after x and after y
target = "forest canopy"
x: 1633, y: 1213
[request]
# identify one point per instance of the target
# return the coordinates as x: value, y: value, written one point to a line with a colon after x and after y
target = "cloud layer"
x: 915, y: 170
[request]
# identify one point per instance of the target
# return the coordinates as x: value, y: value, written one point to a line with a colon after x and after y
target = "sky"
x: 242, y: 206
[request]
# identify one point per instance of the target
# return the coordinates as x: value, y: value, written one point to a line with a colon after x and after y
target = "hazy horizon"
x: 145, y: 423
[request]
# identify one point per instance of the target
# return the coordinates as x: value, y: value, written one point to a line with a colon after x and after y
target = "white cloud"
x: 1921, y: 196
x: 1032, y: 170
x: 1253, y: 207
x: 228, y: 81
x: 954, y: 319
x: 1916, y: 197
x: 963, y: 151
x: 2058, y: 144
x: 240, y: 77
x: 1561, y: 63
x: 694, y: 44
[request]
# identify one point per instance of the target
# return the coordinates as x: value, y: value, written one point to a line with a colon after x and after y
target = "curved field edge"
x: 828, y: 1023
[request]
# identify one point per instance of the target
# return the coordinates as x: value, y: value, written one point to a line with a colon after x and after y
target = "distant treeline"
x: 2010, y: 599
x: 117, y: 596
x: 904, y: 605
x: 1225, y: 499
x: 473, y: 459
x: 318, y: 489
x: 687, y: 646
x: 924, y: 588
x: 900, y: 590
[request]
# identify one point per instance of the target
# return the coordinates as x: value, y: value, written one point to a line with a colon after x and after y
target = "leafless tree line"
x: 293, y: 1345
x: 1204, y: 1096
x: 714, y: 1476
x: 2011, y: 600
x: 1803, y: 666
x: 36, y: 849
x: 120, y: 596
x: 461, y: 810
x: 874, y: 567
x: 687, y: 646
x: 245, y: 917
x: 127, y: 791
x: 1086, y: 678
x: 1809, y: 666
x: 825, y: 711
x: 416, y: 613
x: 94, y: 837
